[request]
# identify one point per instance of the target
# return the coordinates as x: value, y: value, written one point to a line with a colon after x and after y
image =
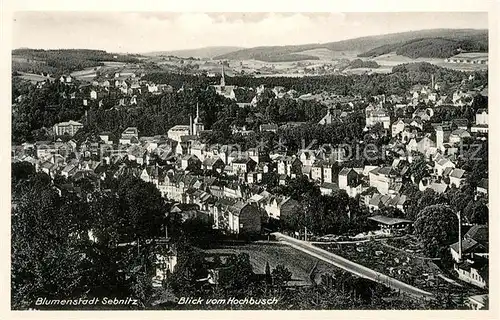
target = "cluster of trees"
x: 41, y: 108
x: 66, y: 247
x: 321, y: 214
x: 358, y: 63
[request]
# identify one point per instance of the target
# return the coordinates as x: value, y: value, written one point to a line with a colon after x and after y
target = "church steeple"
x: 197, y: 126
x: 222, y: 80
x: 197, y: 119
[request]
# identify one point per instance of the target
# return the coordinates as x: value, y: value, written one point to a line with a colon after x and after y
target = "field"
x: 391, y: 59
x: 300, y: 264
x: 33, y: 77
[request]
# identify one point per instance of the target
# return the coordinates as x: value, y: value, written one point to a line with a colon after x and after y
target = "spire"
x: 222, y: 80
x: 197, y: 111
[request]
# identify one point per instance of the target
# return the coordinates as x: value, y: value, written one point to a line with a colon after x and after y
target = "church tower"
x: 197, y: 125
x: 222, y: 80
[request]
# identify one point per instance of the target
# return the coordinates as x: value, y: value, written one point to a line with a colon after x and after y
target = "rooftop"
x: 389, y: 221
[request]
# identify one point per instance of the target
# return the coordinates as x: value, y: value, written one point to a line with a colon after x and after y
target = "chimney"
x: 432, y: 82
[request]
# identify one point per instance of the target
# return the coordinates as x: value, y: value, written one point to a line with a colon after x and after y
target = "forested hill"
x: 469, y: 38
x: 432, y: 47
x: 62, y: 60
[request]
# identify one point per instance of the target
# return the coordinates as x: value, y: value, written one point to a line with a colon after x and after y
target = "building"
x: 243, y: 165
x: 481, y: 121
x: 478, y: 302
x: 474, y: 271
x: 378, y: 115
x: 271, y: 127
x: 469, y: 58
x: 177, y: 132
x: 130, y: 136
x: 383, y: 178
x: 244, y: 218
x: 222, y: 89
x: 457, y: 177
x: 328, y: 118
x: 386, y: 223
x: 276, y: 207
x: 474, y: 242
x: 457, y: 136
x: 398, y: 127
x: 69, y: 127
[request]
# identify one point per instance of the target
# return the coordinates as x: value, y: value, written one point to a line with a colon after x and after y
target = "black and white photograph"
x: 249, y: 161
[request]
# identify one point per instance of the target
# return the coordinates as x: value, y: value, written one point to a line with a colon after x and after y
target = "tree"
x: 281, y: 275
x: 436, y: 226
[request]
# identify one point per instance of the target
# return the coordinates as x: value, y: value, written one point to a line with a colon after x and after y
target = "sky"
x: 136, y: 32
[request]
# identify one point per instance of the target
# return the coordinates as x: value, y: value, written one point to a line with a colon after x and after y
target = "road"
x: 351, y: 267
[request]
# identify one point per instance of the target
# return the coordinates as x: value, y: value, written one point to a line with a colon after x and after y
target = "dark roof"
x: 483, y: 183
x: 478, y: 233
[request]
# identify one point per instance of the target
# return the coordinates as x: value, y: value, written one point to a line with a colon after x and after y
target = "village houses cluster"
x: 222, y: 182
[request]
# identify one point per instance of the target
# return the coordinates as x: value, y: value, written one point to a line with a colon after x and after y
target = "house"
x: 390, y: 224
x: 328, y: 170
x: 47, y: 167
x: 327, y: 188
x: 441, y: 164
x: 106, y: 137
x: 382, y: 178
x: 277, y: 207
x: 348, y: 177
x: 289, y: 166
x: 243, y: 165
x: 474, y: 270
x: 177, y: 132
x: 377, y: 201
x: 481, y: 121
x: 93, y: 95
x: 190, y: 162
x: 69, y: 170
x: 458, y: 135
x: 307, y: 157
x: 244, y: 218
x: 424, y: 145
x: 423, y: 114
x: 271, y: 127
x: 482, y: 187
x: 317, y: 171
x: 438, y: 187
x: 469, y: 58
x: 130, y: 136
x: 69, y: 127
x: 457, y: 177
x: 328, y: 118
x: 478, y: 302
x: 378, y: 115
x: 397, y: 127
x: 214, y: 164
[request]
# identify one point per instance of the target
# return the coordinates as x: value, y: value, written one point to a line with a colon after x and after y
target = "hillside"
x: 432, y: 47
x: 363, y: 44
x: 63, y: 60
x: 202, y: 53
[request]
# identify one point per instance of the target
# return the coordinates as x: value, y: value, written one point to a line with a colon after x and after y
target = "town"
x: 367, y: 190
